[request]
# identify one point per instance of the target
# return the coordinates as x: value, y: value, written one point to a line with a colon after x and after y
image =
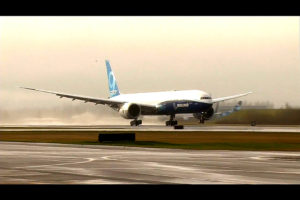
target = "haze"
x: 220, y: 55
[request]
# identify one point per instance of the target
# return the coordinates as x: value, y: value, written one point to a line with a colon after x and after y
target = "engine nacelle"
x: 130, y: 111
x: 206, y: 115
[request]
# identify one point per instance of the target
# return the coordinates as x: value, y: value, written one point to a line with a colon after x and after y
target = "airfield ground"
x: 205, y: 140
x: 268, y: 155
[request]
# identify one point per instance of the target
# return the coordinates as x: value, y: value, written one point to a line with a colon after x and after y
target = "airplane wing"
x: 229, y: 97
x: 110, y: 102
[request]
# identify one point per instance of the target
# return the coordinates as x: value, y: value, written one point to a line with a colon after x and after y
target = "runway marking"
x: 97, y: 181
x: 71, y: 163
x: 274, y: 172
x: 155, y: 164
x: 152, y: 164
x: 145, y: 166
x: 107, y: 158
x: 212, y: 175
x: 251, y: 171
x: 23, y: 175
x: 285, y: 157
x: 195, y: 170
x: 258, y: 158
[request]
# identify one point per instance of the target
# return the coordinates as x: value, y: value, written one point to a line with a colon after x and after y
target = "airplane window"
x: 205, y: 97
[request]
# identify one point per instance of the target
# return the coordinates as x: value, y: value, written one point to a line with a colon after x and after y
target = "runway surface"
x: 190, y: 128
x: 41, y: 163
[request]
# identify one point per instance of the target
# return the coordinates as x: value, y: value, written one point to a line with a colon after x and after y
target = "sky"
x: 221, y: 55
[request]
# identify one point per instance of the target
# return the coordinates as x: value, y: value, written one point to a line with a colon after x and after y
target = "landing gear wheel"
x: 135, y: 122
x: 178, y: 127
x: 171, y: 123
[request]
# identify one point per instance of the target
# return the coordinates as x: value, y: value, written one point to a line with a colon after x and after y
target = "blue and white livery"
x: 112, y: 83
x: 133, y: 106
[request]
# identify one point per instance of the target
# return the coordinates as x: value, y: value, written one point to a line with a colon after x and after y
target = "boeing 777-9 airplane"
x: 133, y: 106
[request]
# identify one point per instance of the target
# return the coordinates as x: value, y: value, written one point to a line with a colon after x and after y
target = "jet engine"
x: 206, y: 114
x: 130, y: 111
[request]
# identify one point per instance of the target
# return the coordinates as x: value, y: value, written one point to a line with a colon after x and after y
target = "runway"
x: 41, y: 163
x: 188, y: 128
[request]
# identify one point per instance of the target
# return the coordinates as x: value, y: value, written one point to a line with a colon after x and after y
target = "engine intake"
x: 130, y: 111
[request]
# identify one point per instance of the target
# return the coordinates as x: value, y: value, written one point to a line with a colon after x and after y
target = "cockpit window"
x: 205, y: 97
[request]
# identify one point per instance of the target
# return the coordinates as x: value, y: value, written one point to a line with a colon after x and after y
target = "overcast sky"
x: 221, y: 55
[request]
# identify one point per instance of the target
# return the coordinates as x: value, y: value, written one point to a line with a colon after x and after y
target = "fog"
x: 220, y: 55
x: 77, y: 113
x: 69, y: 113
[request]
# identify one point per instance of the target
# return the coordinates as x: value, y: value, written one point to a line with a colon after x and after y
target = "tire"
x: 178, y: 127
x: 133, y: 123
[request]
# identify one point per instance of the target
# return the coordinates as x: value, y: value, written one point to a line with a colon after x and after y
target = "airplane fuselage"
x: 171, y: 102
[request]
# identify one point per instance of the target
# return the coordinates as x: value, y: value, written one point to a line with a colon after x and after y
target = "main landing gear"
x: 135, y: 122
x: 202, y: 120
x: 171, y: 122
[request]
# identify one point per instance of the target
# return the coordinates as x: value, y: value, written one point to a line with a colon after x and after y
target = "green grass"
x: 251, y: 141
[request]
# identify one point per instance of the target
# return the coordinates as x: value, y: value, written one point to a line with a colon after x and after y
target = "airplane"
x: 134, y: 106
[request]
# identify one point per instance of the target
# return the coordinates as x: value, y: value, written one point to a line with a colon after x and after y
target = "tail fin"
x: 237, y: 107
x: 112, y: 83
